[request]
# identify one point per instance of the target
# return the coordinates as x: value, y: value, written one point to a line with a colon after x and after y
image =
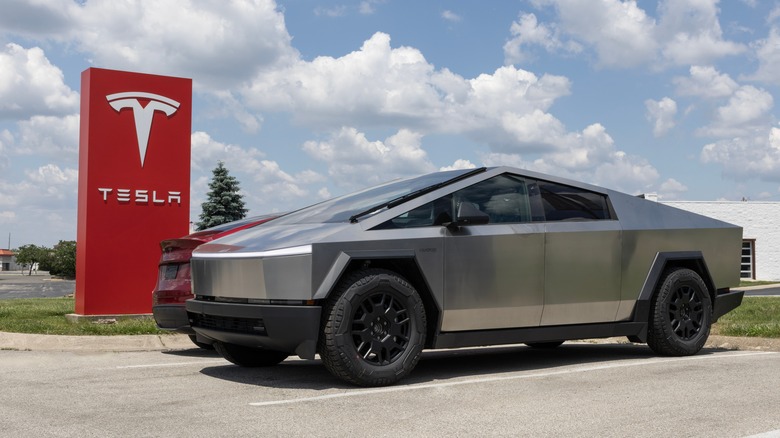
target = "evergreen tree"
x: 223, y: 203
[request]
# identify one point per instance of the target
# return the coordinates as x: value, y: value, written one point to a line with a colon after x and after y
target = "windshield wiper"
x: 417, y: 193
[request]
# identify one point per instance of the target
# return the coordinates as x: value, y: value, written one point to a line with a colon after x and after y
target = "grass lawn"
x: 756, y: 317
x: 744, y: 283
x: 47, y: 316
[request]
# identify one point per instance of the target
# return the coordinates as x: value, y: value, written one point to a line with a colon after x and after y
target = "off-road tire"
x: 680, y: 314
x: 373, y: 328
x: 249, y: 357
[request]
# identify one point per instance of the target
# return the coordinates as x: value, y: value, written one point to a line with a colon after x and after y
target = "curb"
x: 34, y: 342
x: 177, y: 341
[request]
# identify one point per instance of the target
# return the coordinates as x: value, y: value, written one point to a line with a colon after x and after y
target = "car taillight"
x: 171, y: 297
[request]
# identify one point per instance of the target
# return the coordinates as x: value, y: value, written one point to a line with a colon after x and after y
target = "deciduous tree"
x: 29, y: 255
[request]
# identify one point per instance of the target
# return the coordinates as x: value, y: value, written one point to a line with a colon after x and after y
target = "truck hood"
x: 271, y: 237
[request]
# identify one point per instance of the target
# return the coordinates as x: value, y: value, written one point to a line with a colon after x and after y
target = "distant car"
x: 173, y: 278
x: 463, y: 258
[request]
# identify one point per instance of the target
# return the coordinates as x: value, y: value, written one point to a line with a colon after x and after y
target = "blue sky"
x: 306, y: 100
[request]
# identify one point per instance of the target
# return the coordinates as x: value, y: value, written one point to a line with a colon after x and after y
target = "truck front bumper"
x: 289, y: 329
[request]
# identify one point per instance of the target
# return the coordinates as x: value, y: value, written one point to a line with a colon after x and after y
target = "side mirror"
x: 469, y: 214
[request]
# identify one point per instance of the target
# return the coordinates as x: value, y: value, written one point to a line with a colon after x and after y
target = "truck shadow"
x: 444, y: 365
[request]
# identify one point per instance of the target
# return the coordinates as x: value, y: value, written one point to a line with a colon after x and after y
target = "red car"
x: 173, y: 278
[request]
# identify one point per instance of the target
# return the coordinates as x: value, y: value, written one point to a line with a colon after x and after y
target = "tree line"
x: 59, y: 260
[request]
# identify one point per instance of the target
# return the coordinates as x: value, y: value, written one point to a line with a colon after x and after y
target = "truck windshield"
x: 369, y: 201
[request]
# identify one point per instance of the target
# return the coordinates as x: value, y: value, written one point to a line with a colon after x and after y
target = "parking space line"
x: 364, y: 392
x: 170, y: 364
x: 770, y: 434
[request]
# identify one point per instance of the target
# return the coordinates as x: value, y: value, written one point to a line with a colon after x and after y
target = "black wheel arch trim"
x: 691, y: 259
x: 345, y: 259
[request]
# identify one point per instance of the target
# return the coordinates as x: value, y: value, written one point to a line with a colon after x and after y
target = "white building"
x: 8, y: 261
x: 760, y: 222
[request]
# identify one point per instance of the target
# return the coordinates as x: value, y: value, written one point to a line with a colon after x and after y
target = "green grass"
x: 756, y: 317
x: 744, y: 283
x: 47, y: 316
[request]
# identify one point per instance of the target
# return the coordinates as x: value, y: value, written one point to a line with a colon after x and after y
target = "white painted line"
x: 770, y: 434
x: 363, y: 392
x: 170, y: 364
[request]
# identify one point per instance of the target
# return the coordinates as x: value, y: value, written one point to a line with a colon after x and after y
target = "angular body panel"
x: 582, y: 272
x: 493, y: 277
x: 494, y: 256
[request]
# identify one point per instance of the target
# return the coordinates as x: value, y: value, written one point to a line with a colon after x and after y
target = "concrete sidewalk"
x: 32, y: 342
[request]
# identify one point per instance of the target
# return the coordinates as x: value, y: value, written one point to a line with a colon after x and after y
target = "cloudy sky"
x: 304, y: 102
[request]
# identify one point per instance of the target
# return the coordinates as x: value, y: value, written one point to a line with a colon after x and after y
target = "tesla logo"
x: 142, y: 114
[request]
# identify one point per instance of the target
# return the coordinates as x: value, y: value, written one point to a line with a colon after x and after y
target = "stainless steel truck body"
x: 463, y: 258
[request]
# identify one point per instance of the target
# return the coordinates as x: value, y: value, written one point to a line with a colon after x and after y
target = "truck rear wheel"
x: 681, y: 313
x: 248, y: 356
x: 373, y: 328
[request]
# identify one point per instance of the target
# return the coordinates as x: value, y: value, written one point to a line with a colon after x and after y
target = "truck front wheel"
x: 373, y: 328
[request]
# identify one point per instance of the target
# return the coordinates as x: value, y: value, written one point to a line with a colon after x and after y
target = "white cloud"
x: 261, y: 179
x: 30, y: 85
x: 773, y: 15
x: 354, y: 161
x: 459, y: 164
x: 691, y: 33
x: 451, y: 16
x: 7, y: 217
x: 217, y: 43
x: 588, y: 156
x: 225, y: 104
x: 623, y: 35
x: 5, y: 139
x: 672, y: 189
x: 535, y: 131
x: 332, y: 11
x: 749, y: 108
x: 767, y: 51
x: 368, y: 7
x: 37, y: 18
x: 747, y: 157
x: 606, y: 26
x: 631, y: 174
x: 706, y: 82
x: 42, y: 205
x: 381, y: 86
x: 527, y: 32
x: 46, y: 187
x: 661, y: 114
x: 49, y: 136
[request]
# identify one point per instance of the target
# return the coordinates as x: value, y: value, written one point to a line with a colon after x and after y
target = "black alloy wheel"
x: 686, y: 312
x: 680, y: 314
x: 381, y: 328
x: 373, y: 328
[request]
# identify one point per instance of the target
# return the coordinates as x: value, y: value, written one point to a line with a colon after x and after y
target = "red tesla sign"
x: 134, y: 185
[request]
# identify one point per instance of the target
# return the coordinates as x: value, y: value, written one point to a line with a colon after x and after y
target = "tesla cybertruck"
x: 462, y: 258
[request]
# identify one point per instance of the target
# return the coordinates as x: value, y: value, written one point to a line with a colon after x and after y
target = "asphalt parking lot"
x: 85, y: 387
x: 575, y: 390
x: 14, y: 284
